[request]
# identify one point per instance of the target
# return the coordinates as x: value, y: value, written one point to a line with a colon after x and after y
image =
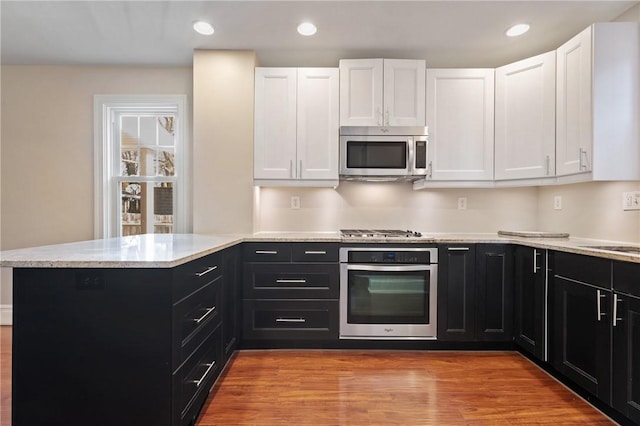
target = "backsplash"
x: 394, y: 205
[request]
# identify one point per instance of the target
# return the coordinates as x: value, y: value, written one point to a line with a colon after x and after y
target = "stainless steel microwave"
x: 383, y: 153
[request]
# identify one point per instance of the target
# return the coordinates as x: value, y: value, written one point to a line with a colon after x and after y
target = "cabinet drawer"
x: 290, y: 319
x: 586, y: 269
x: 291, y: 281
x: 314, y: 252
x: 192, y: 382
x: 193, y: 275
x: 266, y: 252
x: 194, y: 318
x: 626, y: 277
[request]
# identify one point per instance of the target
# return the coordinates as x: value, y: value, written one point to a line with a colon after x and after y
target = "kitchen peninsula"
x: 147, y: 323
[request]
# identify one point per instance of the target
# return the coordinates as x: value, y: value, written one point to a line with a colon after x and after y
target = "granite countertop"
x: 170, y: 250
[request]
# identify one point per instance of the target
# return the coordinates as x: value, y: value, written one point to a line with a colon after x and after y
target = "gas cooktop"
x: 379, y: 233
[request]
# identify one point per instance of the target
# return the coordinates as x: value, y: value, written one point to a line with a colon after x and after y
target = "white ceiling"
x: 445, y: 33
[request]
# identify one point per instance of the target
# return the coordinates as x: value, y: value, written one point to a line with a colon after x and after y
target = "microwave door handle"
x: 411, y: 155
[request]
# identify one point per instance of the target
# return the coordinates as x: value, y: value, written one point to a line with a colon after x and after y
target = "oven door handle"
x: 388, y: 268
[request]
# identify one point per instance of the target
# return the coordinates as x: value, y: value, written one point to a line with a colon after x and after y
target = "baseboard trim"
x: 6, y: 314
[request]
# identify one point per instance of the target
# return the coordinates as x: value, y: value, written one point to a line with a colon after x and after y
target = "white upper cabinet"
x: 275, y: 123
x: 525, y: 118
x: 382, y: 92
x: 296, y: 126
x: 460, y: 121
x: 598, y: 103
x: 318, y: 126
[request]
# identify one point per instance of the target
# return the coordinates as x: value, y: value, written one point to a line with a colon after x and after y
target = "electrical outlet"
x: 462, y: 203
x: 631, y: 200
x: 295, y: 202
x: 557, y: 202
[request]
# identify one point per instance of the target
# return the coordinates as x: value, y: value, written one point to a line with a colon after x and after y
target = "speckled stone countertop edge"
x: 171, y: 250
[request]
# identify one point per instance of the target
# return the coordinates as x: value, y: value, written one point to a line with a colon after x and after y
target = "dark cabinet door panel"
x: 494, y: 296
x: 456, y: 292
x: 314, y: 252
x: 530, y: 302
x: 266, y: 252
x: 626, y: 357
x: 582, y: 335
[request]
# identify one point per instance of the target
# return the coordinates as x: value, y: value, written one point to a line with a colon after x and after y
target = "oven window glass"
x: 388, y: 297
x: 376, y: 155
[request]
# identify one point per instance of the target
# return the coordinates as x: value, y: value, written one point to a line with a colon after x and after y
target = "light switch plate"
x: 631, y: 200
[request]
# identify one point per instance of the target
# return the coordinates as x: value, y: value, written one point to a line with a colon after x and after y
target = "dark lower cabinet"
x: 456, y: 292
x: 626, y: 356
x: 290, y: 294
x: 475, y: 292
x: 232, y: 297
x: 530, y: 280
x: 582, y: 322
x: 494, y: 292
x: 129, y: 346
x: 626, y: 339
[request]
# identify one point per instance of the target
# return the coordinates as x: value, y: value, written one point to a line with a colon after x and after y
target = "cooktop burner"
x: 379, y: 233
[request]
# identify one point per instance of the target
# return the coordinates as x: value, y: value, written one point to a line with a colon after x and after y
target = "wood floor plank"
x: 390, y: 388
x: 333, y: 387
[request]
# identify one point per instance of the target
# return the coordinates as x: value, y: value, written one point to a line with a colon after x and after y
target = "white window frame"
x: 107, y: 164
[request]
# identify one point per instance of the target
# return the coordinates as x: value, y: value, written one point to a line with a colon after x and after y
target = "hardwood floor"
x: 295, y: 387
x: 391, y: 388
x: 5, y: 375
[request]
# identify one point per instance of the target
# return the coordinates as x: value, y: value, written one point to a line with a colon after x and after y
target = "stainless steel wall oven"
x: 388, y: 292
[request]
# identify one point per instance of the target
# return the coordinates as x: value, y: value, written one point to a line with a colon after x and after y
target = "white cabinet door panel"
x: 318, y: 127
x: 573, y: 99
x: 525, y: 118
x: 361, y: 92
x: 404, y: 92
x: 275, y: 123
x: 460, y: 119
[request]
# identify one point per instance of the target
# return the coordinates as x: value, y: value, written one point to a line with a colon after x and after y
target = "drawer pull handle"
x: 293, y: 281
x: 291, y: 320
x: 458, y: 248
x: 599, y: 296
x: 266, y: 252
x: 320, y: 252
x: 199, y: 382
x: 209, y: 310
x: 616, y: 299
x: 206, y: 271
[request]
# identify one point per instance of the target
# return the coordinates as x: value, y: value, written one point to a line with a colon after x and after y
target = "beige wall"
x: 590, y: 210
x: 396, y: 205
x: 631, y: 15
x: 223, y: 141
x: 46, y: 145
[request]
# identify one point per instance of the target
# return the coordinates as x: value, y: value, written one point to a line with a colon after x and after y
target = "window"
x: 140, y: 165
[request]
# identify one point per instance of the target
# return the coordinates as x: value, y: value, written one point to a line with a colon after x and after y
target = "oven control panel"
x: 383, y: 256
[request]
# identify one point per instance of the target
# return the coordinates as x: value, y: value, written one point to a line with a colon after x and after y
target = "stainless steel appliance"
x: 388, y: 292
x: 383, y: 153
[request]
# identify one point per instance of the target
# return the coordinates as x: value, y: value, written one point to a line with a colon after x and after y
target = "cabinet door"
x: 460, y: 120
x: 573, y: 105
x: 275, y: 123
x: 317, y: 123
x: 494, y: 293
x: 626, y: 356
x: 404, y: 92
x: 582, y: 332
x: 525, y: 138
x: 456, y: 292
x: 361, y: 92
x: 530, y: 304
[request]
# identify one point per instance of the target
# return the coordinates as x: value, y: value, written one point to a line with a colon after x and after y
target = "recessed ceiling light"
x: 517, y: 29
x: 203, y: 27
x: 307, y: 29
